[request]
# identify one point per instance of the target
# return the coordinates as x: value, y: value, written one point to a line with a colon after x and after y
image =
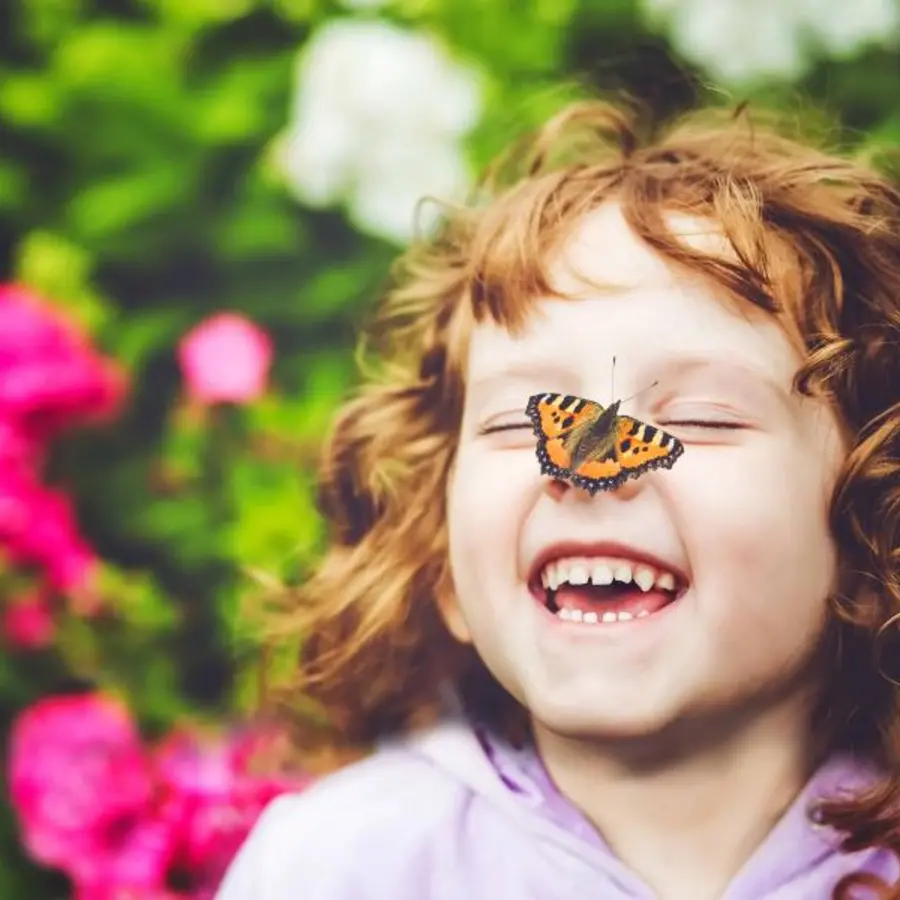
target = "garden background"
x: 199, y: 199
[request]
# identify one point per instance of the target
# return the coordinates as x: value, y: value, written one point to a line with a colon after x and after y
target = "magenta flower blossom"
x: 81, y: 785
x: 131, y: 862
x: 27, y: 621
x: 215, y: 798
x: 52, y: 376
x: 38, y: 527
x: 225, y: 359
x: 124, y: 823
x: 19, y: 450
x: 50, y: 379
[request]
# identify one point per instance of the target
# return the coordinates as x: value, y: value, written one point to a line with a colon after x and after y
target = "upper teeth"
x: 604, y: 570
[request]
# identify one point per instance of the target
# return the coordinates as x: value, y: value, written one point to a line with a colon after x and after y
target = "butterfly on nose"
x: 595, y: 447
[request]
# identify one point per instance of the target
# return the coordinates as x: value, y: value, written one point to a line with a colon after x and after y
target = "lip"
x: 563, y: 549
x: 650, y: 628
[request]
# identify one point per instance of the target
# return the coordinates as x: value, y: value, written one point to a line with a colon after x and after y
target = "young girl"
x: 677, y: 688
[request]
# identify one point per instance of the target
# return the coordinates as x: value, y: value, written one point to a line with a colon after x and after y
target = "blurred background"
x: 199, y: 200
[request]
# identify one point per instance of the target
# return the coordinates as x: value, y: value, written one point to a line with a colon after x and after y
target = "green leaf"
x: 13, y: 186
x: 44, y: 22
x: 60, y: 271
x: 104, y: 208
x: 201, y: 14
x: 143, y: 333
x: 250, y: 232
x: 121, y: 57
x: 275, y: 515
x: 137, y: 601
x: 28, y: 100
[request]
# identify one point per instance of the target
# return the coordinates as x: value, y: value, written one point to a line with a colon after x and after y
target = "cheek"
x: 757, y: 532
x: 487, y: 498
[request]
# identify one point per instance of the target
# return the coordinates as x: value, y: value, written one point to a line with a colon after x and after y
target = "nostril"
x: 557, y: 488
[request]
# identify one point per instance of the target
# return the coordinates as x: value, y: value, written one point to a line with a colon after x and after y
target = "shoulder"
x: 386, y: 808
x: 372, y: 793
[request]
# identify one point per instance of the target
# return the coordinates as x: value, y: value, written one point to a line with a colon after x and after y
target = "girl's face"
x: 741, y: 518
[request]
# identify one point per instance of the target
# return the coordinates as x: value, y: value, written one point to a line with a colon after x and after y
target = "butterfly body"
x: 594, y: 438
x: 594, y: 447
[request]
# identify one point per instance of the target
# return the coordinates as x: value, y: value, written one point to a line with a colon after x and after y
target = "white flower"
x: 378, y: 121
x: 318, y: 160
x: 393, y: 181
x: 842, y: 28
x: 739, y: 40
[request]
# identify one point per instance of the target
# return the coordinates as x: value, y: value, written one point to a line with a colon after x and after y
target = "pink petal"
x: 28, y: 621
x: 226, y: 358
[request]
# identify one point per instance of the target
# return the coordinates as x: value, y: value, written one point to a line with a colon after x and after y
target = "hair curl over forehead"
x: 816, y: 241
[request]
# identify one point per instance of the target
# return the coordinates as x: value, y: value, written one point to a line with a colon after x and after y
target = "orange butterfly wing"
x: 555, y: 417
x: 639, y: 447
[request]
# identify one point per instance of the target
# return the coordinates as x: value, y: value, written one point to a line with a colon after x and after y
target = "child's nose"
x: 560, y: 490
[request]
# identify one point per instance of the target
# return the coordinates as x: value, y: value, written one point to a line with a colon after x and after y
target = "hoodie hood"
x: 798, y: 859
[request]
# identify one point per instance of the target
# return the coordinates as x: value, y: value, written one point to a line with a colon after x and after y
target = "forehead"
x: 629, y: 303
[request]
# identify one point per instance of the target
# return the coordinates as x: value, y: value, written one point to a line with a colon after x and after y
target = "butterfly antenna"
x: 641, y: 391
x: 655, y: 383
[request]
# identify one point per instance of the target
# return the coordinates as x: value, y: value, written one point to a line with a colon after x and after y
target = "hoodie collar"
x: 797, y: 842
x: 517, y: 779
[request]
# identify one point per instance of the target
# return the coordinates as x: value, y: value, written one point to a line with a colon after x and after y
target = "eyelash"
x: 697, y: 423
x: 490, y: 429
x: 700, y: 423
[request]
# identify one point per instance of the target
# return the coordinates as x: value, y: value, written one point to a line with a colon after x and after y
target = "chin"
x: 623, y: 723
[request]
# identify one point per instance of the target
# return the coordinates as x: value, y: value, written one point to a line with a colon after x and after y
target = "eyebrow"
x: 680, y: 366
x: 536, y: 370
x: 669, y: 367
x: 557, y: 376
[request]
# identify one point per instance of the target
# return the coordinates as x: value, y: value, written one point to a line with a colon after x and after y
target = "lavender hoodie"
x: 459, y: 815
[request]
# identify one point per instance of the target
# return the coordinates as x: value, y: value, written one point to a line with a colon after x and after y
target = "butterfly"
x: 594, y: 447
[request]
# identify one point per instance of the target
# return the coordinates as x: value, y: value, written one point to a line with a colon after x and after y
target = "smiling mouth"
x: 605, y: 590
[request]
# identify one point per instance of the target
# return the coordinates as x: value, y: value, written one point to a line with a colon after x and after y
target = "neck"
x: 686, y: 810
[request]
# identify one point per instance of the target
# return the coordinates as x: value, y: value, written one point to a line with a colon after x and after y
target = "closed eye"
x: 490, y: 429
x: 701, y: 423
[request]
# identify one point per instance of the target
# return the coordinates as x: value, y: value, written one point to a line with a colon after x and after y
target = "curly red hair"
x: 816, y: 241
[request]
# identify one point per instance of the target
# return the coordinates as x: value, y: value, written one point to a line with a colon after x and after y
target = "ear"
x: 452, y: 615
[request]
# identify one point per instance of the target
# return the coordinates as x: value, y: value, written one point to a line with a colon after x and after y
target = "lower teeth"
x: 592, y: 618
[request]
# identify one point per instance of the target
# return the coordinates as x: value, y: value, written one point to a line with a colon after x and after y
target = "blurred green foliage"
x: 137, y: 189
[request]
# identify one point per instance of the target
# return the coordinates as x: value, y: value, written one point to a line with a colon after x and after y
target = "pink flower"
x: 225, y: 359
x: 38, y: 527
x: 128, y: 892
x: 81, y: 785
x: 132, y: 860
x: 51, y: 375
x: 215, y: 798
x: 18, y: 449
x: 28, y: 621
x: 50, y: 379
